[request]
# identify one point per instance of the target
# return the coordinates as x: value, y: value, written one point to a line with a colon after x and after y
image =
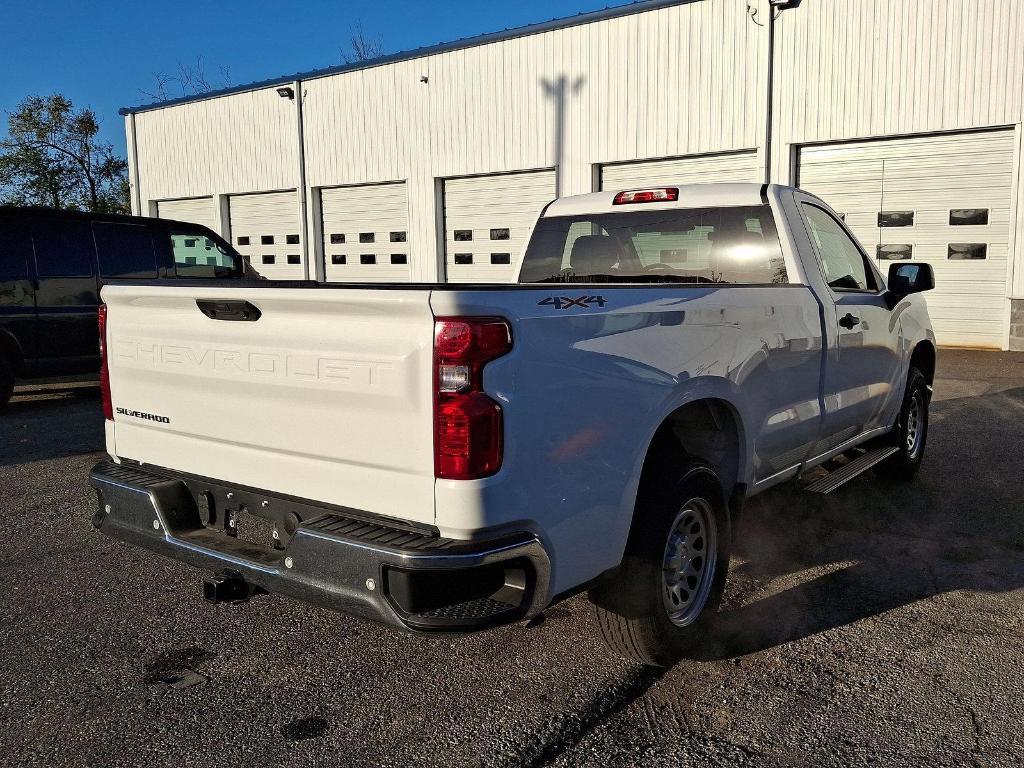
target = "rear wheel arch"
x: 707, y: 430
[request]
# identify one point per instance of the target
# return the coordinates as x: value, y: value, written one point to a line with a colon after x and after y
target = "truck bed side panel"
x: 586, y: 386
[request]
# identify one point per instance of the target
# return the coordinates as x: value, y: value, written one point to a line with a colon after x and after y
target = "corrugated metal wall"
x: 680, y: 80
x: 646, y: 85
x: 675, y: 81
x: 873, y: 68
x: 241, y: 143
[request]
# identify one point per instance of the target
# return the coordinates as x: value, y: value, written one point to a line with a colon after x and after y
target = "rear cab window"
x: 732, y: 245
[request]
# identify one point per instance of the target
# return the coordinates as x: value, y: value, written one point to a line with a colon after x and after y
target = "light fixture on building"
x: 286, y: 92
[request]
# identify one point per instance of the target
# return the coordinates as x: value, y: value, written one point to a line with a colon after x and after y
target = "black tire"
x: 911, y: 430
x: 6, y: 380
x: 632, y: 604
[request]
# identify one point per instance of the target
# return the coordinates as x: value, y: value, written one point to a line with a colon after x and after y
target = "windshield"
x: 737, y: 245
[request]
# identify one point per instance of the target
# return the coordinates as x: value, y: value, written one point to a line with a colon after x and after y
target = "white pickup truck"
x: 454, y: 457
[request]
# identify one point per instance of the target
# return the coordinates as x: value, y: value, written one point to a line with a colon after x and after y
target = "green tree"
x: 52, y: 156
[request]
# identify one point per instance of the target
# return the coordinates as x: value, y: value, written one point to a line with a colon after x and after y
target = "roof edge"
x: 587, y: 17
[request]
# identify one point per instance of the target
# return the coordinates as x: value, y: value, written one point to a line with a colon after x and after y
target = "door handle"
x: 849, y: 320
x: 223, y: 309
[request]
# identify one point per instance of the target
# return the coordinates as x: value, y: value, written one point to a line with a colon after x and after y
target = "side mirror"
x: 905, y: 279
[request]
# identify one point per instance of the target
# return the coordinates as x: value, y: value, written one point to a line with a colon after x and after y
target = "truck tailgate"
x: 327, y: 396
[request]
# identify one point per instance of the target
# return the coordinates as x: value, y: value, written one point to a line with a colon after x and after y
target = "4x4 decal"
x: 567, y: 302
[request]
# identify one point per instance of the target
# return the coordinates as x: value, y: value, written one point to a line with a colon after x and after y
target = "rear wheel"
x: 658, y: 605
x: 6, y: 380
x: 911, y: 431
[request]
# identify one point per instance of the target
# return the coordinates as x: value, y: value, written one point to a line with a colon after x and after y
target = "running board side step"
x: 848, y: 471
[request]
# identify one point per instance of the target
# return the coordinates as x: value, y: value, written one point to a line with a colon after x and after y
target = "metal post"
x: 303, y: 207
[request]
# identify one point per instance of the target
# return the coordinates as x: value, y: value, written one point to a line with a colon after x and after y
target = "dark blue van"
x: 52, y: 264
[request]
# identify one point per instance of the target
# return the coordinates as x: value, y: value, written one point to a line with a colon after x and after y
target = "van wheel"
x: 6, y: 380
x: 911, y: 432
x: 658, y: 605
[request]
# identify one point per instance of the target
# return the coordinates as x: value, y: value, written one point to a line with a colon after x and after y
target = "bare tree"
x: 361, y: 47
x: 189, y: 80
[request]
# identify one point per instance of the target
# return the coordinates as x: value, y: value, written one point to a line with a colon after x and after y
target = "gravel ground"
x: 876, y: 625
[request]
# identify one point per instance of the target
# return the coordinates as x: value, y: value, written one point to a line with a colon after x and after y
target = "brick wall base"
x: 1017, y: 325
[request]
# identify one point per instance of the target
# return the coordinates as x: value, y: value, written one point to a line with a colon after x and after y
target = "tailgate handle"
x: 226, y: 309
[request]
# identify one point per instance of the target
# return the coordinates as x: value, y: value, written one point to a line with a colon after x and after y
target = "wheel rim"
x: 688, y: 569
x: 914, y: 434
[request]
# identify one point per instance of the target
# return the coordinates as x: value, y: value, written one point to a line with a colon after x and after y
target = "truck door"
x: 17, y: 294
x: 863, y: 380
x: 66, y: 292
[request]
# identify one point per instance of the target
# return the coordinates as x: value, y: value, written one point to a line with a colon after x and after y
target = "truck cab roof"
x: 690, y: 196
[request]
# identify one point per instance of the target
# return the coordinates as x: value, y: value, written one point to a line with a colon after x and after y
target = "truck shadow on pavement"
x: 805, y: 563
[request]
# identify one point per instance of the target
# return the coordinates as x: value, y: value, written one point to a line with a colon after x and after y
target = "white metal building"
x: 905, y: 115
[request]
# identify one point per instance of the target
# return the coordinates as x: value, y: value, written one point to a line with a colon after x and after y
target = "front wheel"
x: 911, y: 431
x: 658, y: 605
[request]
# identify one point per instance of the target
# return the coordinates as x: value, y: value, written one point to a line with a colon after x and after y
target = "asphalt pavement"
x: 880, y: 625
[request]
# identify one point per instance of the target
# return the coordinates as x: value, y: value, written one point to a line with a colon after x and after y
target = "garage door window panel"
x: 968, y: 217
x: 891, y: 252
x: 845, y: 267
x: 967, y: 251
x: 895, y: 219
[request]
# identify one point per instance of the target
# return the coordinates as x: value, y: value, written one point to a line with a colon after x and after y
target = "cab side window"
x: 198, y: 255
x: 845, y: 267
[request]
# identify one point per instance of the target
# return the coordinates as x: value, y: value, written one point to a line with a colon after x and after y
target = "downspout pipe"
x: 302, y: 194
x: 771, y: 96
x: 133, y: 173
x: 775, y: 9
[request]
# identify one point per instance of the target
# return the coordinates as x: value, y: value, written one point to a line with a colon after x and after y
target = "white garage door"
x: 487, y: 221
x: 265, y: 228
x: 197, y: 210
x: 697, y: 169
x: 366, y: 233
x: 940, y: 199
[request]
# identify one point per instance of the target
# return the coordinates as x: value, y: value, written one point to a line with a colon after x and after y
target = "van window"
x: 15, y: 252
x: 736, y: 245
x: 125, y: 250
x: 63, y: 248
x: 198, y: 253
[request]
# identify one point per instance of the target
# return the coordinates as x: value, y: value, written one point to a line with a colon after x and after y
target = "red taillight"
x: 108, y: 403
x: 665, y: 195
x: 467, y: 423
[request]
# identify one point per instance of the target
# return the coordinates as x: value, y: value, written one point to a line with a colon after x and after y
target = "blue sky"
x: 103, y: 54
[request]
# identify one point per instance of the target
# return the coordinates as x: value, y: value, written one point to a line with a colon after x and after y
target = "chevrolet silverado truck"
x: 448, y: 458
